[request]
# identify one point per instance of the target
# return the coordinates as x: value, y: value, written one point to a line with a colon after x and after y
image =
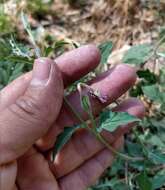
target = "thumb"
x: 30, y: 117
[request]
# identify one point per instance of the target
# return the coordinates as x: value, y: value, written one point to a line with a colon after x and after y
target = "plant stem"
x: 159, y: 43
x: 125, y: 157
x: 126, y: 173
x: 145, y: 151
x: 73, y: 110
x: 75, y: 113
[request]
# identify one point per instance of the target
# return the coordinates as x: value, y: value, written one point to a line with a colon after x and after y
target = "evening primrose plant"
x: 141, y: 164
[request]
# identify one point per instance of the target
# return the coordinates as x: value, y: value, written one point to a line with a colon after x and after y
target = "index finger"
x: 77, y: 63
x: 73, y: 65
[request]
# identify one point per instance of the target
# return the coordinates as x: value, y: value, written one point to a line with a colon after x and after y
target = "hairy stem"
x: 121, y: 155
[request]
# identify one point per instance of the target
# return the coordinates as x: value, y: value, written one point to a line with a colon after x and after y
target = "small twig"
x: 125, y: 157
x: 126, y: 172
x: 158, y: 44
x: 74, y: 112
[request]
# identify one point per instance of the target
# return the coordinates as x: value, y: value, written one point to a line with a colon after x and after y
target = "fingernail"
x: 41, y: 71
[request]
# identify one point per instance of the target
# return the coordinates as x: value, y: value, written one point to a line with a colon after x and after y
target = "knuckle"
x: 29, y: 108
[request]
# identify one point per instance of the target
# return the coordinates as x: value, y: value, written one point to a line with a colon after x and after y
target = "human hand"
x: 30, y: 109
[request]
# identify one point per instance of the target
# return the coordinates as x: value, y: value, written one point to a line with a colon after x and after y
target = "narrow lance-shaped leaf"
x: 85, y: 103
x: 63, y: 138
x: 105, y: 49
x: 110, y: 121
x: 30, y: 33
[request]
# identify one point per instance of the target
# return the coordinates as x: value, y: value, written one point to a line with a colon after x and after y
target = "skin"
x: 33, y: 114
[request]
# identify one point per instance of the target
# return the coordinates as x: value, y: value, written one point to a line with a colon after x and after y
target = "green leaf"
x: 161, y: 54
x: 134, y: 149
x: 117, y: 185
x: 18, y: 68
x: 155, y: 140
x: 159, y: 123
x: 121, y: 186
x: 138, y: 54
x: 63, y: 138
x: 158, y: 180
x: 19, y: 59
x: 14, y: 76
x: 85, y: 103
x: 157, y: 157
x: 110, y: 121
x: 105, y: 49
x: 144, y: 182
x: 48, y: 51
x: 152, y: 92
x: 59, y: 44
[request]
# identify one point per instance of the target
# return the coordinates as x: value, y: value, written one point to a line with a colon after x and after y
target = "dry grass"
x: 122, y: 21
